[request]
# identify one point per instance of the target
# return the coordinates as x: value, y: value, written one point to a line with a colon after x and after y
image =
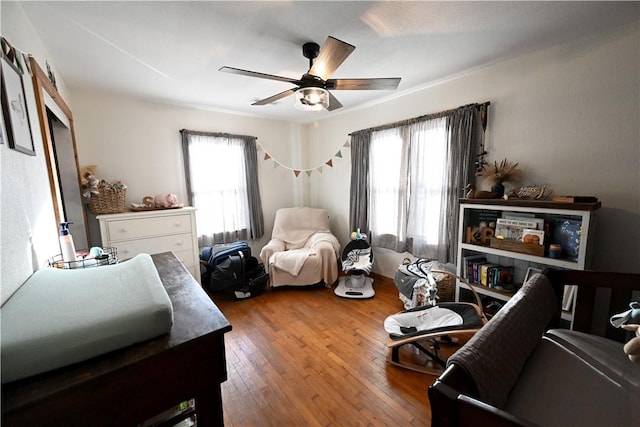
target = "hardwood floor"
x: 305, y: 357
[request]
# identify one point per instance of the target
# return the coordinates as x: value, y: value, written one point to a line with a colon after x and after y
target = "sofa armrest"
x: 472, y: 412
x: 443, y: 395
x: 622, y: 286
x: 274, y: 245
x: 454, y: 407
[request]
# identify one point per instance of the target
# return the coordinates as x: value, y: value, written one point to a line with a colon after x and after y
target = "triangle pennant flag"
x: 339, y: 154
x: 308, y: 172
x: 319, y: 169
x: 296, y: 172
x: 259, y: 147
x: 275, y: 164
x: 329, y: 163
x: 347, y: 144
x: 266, y: 156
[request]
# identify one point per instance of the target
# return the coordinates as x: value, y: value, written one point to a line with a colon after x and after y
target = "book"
x: 486, y: 273
x: 522, y: 217
x: 468, y: 267
x: 567, y: 233
x: 575, y: 199
x: 476, y: 267
x: 533, y: 236
x: 524, y: 223
x: 503, y: 276
x: 509, y: 232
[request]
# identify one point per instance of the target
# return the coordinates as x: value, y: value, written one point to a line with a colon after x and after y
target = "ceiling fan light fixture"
x: 312, y: 99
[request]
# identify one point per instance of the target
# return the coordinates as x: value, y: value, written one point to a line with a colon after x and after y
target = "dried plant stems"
x: 504, y: 172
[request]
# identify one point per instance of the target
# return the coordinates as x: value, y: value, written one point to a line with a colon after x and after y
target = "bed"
x: 128, y: 386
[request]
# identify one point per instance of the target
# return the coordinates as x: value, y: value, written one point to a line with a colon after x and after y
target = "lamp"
x: 312, y: 99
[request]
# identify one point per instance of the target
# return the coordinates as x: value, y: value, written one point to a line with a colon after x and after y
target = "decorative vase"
x: 498, y: 189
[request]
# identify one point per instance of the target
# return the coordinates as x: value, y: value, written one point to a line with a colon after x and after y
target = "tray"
x: 515, y: 246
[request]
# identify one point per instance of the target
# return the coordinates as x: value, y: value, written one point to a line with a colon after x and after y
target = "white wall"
x: 569, y: 115
x: 29, y: 231
x: 138, y: 142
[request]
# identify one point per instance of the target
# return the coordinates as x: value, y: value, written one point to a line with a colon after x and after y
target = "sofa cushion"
x: 576, y: 379
x: 59, y: 317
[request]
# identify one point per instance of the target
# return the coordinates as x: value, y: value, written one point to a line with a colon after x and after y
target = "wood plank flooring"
x: 305, y: 357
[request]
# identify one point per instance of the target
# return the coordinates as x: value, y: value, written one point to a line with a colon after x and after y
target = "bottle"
x: 67, y: 247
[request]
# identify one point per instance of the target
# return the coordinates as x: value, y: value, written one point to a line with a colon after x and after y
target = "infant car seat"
x: 357, y: 259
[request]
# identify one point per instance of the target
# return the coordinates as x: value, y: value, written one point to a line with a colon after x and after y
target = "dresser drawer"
x: 180, y: 245
x: 147, y: 227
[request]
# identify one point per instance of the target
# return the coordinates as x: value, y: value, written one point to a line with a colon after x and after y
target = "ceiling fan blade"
x: 256, y: 74
x: 332, y: 54
x: 274, y: 98
x: 334, y: 104
x: 384, y: 83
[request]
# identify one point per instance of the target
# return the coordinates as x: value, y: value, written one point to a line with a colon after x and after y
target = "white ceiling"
x: 170, y: 51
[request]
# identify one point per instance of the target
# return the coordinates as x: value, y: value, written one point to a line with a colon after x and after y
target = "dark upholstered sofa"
x: 521, y: 370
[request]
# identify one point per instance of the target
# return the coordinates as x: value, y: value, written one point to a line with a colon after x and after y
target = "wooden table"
x: 127, y: 386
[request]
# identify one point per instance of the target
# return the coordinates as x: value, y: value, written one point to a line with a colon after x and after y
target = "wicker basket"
x: 446, y: 287
x: 108, y: 200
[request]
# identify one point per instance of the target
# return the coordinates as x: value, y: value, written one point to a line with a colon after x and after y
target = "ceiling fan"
x: 312, y: 89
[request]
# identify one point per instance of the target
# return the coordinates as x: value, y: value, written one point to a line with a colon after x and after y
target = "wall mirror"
x: 56, y: 123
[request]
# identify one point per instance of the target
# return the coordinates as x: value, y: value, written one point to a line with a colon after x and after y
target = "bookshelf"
x: 570, y: 225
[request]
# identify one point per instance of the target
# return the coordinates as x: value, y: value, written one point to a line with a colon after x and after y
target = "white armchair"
x: 302, y: 251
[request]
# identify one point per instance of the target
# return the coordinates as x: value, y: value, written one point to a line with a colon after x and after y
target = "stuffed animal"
x: 357, y: 235
x: 89, y: 181
x: 165, y: 200
x: 630, y: 321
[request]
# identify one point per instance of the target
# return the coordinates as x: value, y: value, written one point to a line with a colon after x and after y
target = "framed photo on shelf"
x: 14, y: 109
x: 530, y: 272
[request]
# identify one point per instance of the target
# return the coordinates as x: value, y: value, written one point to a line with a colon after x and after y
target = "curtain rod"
x: 219, y: 134
x: 420, y: 118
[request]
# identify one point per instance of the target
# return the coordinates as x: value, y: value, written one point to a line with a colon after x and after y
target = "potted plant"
x: 499, y: 173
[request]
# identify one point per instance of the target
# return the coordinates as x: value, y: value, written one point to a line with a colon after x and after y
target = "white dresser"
x: 154, y: 232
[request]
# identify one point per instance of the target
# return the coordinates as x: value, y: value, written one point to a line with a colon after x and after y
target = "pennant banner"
x: 307, y: 172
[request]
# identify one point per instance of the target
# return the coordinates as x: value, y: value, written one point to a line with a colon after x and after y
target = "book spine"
x: 517, y: 223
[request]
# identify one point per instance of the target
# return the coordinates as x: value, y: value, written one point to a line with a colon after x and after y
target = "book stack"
x: 478, y: 270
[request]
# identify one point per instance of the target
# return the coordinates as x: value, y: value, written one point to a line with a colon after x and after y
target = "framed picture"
x: 530, y: 272
x: 14, y: 109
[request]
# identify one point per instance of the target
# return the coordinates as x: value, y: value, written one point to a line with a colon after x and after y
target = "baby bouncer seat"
x: 357, y: 260
x: 429, y: 326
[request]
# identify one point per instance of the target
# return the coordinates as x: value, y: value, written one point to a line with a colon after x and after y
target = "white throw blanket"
x: 291, y: 261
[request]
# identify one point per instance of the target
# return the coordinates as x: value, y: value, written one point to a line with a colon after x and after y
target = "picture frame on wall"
x: 14, y: 109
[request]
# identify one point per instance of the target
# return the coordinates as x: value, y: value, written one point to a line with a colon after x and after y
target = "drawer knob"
x: 124, y: 230
x: 178, y: 223
x: 180, y: 243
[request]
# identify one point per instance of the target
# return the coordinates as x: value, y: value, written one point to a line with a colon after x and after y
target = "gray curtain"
x: 253, y: 189
x: 359, y: 194
x: 464, y: 133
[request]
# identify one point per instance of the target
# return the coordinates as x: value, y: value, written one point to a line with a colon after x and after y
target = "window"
x: 407, y: 177
x: 223, y: 185
x: 406, y: 185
